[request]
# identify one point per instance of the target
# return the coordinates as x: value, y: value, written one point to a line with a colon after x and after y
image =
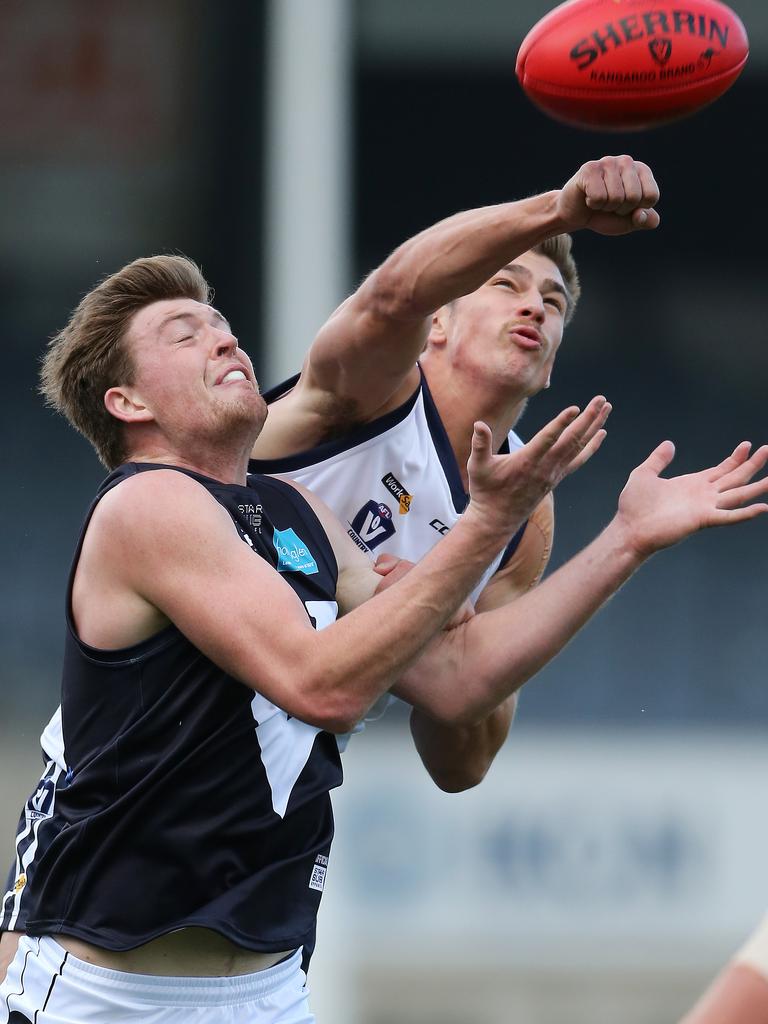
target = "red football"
x: 630, y: 64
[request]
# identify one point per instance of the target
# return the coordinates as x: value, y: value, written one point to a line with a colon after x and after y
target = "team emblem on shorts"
x: 392, y: 484
x: 372, y: 525
x: 293, y: 555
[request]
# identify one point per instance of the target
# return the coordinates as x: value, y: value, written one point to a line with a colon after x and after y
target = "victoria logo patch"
x: 293, y: 555
x: 372, y: 525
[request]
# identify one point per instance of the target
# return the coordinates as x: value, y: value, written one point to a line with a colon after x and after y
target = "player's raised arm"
x: 367, y: 350
x: 495, y: 652
x: 138, y: 572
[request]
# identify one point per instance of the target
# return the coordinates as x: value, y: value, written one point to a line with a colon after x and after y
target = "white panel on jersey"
x: 285, y: 742
x: 52, y: 740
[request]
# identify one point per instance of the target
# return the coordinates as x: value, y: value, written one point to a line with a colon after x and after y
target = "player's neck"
x: 460, y: 405
x: 222, y: 456
x: 225, y: 464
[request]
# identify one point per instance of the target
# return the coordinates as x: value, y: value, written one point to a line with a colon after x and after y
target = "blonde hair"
x: 558, y: 249
x: 89, y: 355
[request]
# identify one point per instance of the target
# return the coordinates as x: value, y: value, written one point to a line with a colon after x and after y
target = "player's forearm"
x: 455, y: 256
x: 470, y: 670
x: 363, y: 654
x: 458, y: 757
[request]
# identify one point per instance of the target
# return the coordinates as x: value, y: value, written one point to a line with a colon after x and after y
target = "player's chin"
x: 246, y: 407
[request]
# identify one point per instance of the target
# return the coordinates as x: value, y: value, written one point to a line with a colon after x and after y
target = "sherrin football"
x: 624, y: 65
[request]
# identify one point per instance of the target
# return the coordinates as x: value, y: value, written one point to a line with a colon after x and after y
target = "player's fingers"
x: 645, y: 220
x: 549, y: 435
x: 659, y: 458
x: 589, y: 450
x: 651, y: 192
x: 743, y: 474
x: 738, y: 456
x: 580, y: 432
x: 482, y: 440
x: 736, y: 496
x: 402, y: 568
x: 614, y: 186
x: 724, y: 517
x: 593, y: 183
x: 633, y: 190
x: 586, y: 426
x: 385, y: 564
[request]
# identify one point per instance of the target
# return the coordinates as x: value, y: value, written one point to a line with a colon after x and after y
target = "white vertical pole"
x: 307, y: 203
x: 306, y: 275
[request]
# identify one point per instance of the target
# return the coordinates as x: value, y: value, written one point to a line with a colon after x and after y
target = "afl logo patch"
x: 372, y: 525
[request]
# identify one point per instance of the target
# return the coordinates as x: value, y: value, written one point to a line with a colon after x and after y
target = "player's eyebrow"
x: 547, y: 285
x: 188, y: 315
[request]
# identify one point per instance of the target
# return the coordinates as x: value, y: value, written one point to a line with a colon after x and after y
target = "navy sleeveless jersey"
x: 190, y: 800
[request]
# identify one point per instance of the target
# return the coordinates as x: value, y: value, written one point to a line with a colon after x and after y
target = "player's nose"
x: 532, y: 307
x: 225, y: 342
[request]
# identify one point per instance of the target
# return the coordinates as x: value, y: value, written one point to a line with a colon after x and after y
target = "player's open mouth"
x: 231, y: 376
x: 526, y: 338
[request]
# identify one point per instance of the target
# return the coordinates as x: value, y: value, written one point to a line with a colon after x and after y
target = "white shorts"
x: 45, y: 984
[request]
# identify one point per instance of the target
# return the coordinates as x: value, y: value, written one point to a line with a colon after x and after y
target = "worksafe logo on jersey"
x: 372, y: 525
x: 392, y: 484
x: 293, y: 555
x: 319, y: 871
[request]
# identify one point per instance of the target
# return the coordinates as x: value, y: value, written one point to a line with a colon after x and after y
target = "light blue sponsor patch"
x: 292, y: 553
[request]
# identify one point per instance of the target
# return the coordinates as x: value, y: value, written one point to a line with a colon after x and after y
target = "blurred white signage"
x: 573, y: 838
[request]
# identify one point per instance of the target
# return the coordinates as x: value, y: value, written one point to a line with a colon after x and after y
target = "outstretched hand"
x: 505, y: 489
x: 612, y: 196
x: 658, y: 512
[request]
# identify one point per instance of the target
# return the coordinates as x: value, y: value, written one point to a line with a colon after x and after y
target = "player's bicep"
x: 363, y: 357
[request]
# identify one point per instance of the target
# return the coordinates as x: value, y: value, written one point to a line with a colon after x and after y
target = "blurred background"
x: 616, y: 853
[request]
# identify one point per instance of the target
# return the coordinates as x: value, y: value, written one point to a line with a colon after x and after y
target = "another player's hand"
x: 613, y: 196
x: 655, y: 513
x: 391, y: 569
x: 505, y: 489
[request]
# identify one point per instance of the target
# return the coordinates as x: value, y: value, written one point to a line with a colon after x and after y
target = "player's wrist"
x: 548, y: 214
x: 490, y: 526
x: 630, y: 544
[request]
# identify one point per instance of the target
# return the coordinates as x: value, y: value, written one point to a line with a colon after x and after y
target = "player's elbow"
x: 329, y: 707
x: 390, y: 293
x: 460, y: 778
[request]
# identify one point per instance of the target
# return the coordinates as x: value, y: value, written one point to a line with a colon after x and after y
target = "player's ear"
x: 125, y: 404
x: 438, y: 333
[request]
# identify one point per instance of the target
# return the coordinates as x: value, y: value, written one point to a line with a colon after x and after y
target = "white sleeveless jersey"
x: 394, y: 483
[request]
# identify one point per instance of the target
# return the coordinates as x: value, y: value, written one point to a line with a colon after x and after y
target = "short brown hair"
x: 558, y: 249
x: 89, y: 355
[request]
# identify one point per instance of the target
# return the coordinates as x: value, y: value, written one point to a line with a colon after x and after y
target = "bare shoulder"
x: 153, y: 504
